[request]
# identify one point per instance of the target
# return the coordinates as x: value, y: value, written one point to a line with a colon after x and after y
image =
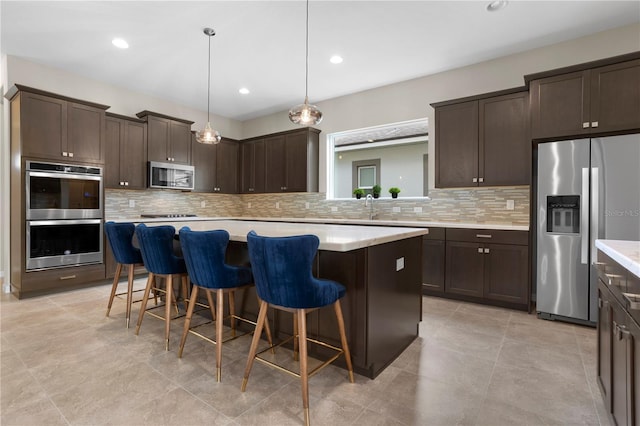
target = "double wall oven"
x: 64, y: 215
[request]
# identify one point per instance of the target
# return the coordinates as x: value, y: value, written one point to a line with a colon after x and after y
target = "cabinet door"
x: 560, y: 105
x: 85, y: 132
x: 43, y: 126
x: 114, y: 133
x: 204, y: 162
x: 274, y: 164
x: 158, y: 139
x: 180, y: 142
x: 504, y: 145
x: 247, y: 170
x: 505, y: 272
x: 604, y: 345
x: 634, y: 374
x: 133, y: 155
x: 227, y: 158
x: 464, y: 270
x: 433, y: 265
x: 296, y: 162
x: 615, y: 97
x: 619, y: 359
x: 457, y: 145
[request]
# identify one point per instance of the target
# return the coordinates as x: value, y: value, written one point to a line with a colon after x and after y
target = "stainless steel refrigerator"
x: 587, y: 189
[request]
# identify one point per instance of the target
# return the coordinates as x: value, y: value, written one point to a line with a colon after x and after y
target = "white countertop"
x: 375, y: 222
x: 332, y: 237
x: 626, y: 253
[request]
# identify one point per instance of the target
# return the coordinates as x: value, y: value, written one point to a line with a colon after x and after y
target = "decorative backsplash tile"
x: 476, y: 205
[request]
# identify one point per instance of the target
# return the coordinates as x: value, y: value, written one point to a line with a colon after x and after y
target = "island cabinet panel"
x: 169, y: 138
x: 484, y: 141
x: 433, y: 261
x: 587, y: 101
x: 126, y: 153
x: 57, y: 129
x: 252, y: 154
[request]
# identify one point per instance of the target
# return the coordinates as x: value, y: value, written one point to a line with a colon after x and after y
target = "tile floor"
x: 65, y: 363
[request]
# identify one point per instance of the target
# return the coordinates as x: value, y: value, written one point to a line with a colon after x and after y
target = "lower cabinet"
x: 618, y: 345
x: 479, y: 265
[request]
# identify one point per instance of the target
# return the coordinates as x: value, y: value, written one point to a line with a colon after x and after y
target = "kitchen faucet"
x: 368, y: 201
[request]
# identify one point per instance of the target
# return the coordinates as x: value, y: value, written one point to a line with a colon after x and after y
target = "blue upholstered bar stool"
x: 282, y: 271
x: 120, y: 237
x: 156, y: 245
x: 204, y: 253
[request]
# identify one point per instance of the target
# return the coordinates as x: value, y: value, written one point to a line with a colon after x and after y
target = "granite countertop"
x: 332, y: 237
x: 626, y: 253
x: 375, y: 222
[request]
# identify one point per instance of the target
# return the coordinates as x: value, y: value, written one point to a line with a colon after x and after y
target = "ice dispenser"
x: 563, y: 214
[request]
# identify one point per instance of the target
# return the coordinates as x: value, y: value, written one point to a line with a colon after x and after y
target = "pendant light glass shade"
x: 305, y: 113
x: 209, y: 135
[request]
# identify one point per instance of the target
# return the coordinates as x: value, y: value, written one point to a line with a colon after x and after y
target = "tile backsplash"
x: 476, y: 205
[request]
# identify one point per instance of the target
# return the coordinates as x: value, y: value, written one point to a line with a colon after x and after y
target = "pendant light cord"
x: 209, y: 81
x: 306, y: 69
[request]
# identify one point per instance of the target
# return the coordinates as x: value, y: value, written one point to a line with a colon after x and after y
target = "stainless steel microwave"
x: 172, y: 176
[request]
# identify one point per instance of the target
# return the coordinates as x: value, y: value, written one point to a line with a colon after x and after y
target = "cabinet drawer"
x: 435, y: 234
x: 611, y: 273
x: 39, y: 281
x: 488, y: 236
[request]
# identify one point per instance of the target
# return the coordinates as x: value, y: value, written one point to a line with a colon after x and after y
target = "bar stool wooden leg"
x: 212, y: 305
x: 187, y: 321
x: 167, y: 319
x: 254, y: 343
x: 295, y: 338
x: 114, y: 287
x: 304, y: 374
x: 129, y: 292
x: 219, y: 321
x: 185, y: 291
x: 267, y: 329
x: 143, y: 306
x: 343, y: 338
x: 232, y: 312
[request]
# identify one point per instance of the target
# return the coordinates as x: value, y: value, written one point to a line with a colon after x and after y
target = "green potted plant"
x: 376, y: 191
x: 394, y: 192
x: 358, y: 192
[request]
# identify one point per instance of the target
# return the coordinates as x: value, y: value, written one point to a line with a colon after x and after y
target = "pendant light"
x: 209, y: 135
x: 306, y: 114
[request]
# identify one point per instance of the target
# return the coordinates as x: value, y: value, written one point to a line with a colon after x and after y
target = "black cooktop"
x: 167, y: 215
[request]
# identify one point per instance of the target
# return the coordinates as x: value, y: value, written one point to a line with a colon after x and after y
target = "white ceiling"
x: 260, y: 44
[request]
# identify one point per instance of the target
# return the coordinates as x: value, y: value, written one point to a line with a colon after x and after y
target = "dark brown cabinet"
x: 291, y: 161
x: 60, y: 129
x: 126, y: 153
x: 433, y: 261
x: 483, y: 141
x: 604, y: 327
x: 252, y: 155
x: 168, y: 138
x: 601, y: 99
x: 488, y: 265
x: 216, y: 166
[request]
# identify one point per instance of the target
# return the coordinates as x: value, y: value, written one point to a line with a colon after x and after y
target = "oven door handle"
x: 63, y: 175
x: 64, y: 222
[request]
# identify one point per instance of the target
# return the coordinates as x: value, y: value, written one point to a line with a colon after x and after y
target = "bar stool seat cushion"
x: 204, y: 251
x: 284, y: 271
x: 156, y: 245
x: 120, y: 236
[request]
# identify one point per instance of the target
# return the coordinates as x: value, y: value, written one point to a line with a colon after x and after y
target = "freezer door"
x: 615, y: 195
x: 563, y: 224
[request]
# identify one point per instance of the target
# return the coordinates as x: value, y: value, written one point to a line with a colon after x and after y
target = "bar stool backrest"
x: 120, y: 237
x: 156, y: 245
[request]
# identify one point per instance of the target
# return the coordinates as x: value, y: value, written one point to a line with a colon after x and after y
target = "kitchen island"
x: 379, y: 266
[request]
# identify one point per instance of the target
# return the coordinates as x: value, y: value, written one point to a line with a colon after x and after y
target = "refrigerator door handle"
x: 595, y: 210
x: 584, y: 217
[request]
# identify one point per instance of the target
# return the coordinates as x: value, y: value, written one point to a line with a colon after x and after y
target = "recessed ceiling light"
x: 244, y: 91
x: 335, y: 59
x: 120, y: 43
x: 496, y: 5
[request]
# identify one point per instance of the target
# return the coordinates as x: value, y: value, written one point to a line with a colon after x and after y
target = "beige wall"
x: 410, y: 99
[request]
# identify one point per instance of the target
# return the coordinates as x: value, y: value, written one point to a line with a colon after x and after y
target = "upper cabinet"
x: 586, y: 99
x: 285, y: 162
x: 483, y: 140
x: 126, y: 153
x: 216, y: 166
x: 169, y: 138
x: 57, y: 128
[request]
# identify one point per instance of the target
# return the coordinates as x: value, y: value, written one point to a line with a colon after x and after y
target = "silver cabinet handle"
x: 585, y: 125
x: 475, y: 180
x: 71, y: 154
x: 480, y: 250
x: 480, y: 180
x: 65, y: 154
x: 486, y: 250
x: 483, y: 235
x: 68, y: 277
x: 594, y: 124
x: 633, y: 300
x: 126, y: 184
